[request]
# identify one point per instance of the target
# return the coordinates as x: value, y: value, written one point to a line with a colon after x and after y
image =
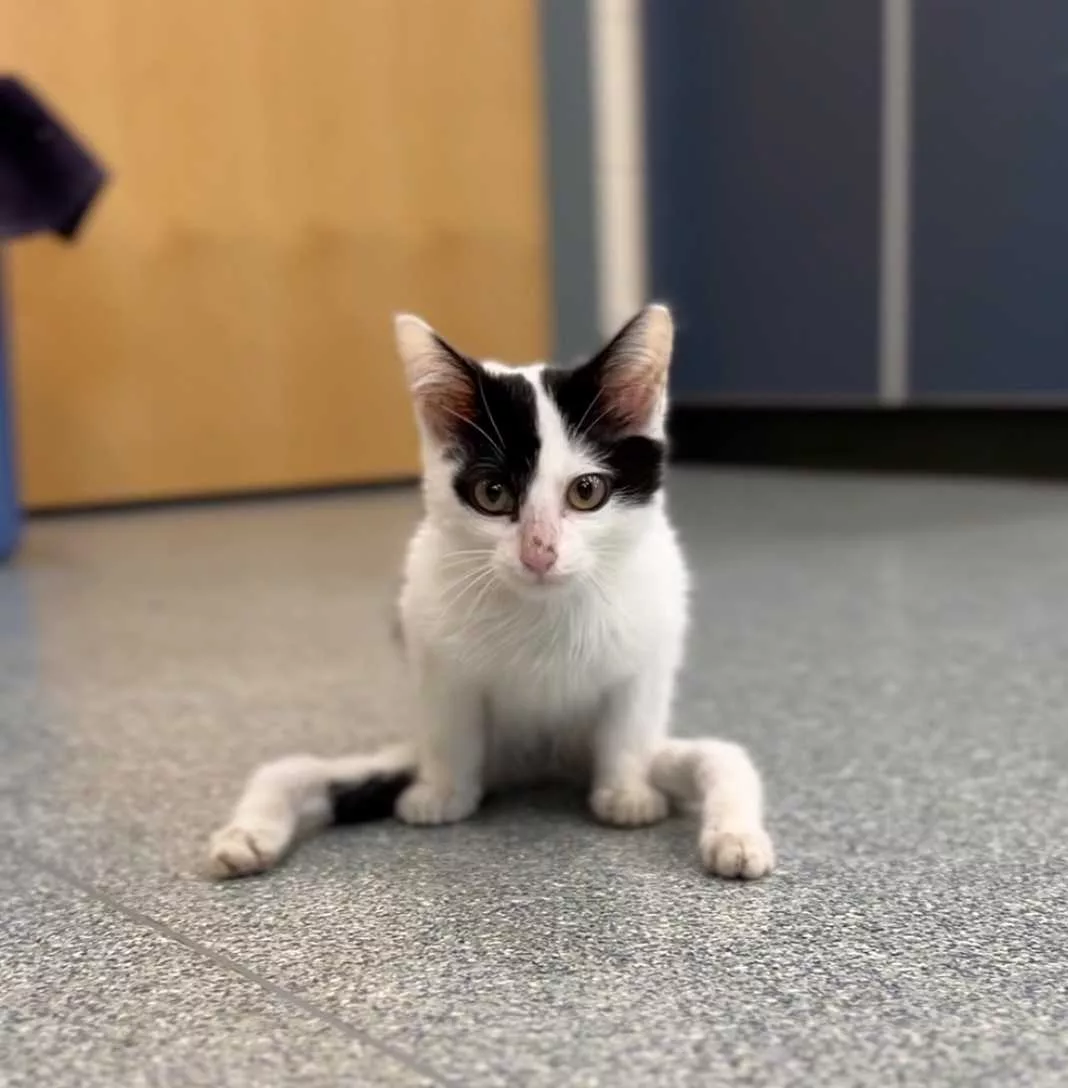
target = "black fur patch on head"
x: 635, y: 462
x: 499, y: 440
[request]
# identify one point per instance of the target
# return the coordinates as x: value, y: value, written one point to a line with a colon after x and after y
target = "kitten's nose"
x: 537, y: 554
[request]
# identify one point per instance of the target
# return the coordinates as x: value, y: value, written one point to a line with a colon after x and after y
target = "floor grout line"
x: 97, y: 894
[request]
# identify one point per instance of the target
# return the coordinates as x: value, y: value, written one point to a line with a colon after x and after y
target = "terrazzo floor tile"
x: 892, y: 651
x: 92, y: 996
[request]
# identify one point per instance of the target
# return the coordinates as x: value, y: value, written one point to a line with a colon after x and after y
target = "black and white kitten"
x: 544, y: 612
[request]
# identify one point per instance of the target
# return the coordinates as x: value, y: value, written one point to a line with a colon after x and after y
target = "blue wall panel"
x: 763, y: 185
x: 990, y: 203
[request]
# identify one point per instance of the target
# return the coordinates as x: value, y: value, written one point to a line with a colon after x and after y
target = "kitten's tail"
x: 299, y: 794
x: 718, y: 778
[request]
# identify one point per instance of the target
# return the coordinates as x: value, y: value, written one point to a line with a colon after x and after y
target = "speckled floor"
x: 895, y: 653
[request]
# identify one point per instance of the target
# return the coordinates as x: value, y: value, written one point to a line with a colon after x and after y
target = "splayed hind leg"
x: 718, y: 779
x: 295, y: 796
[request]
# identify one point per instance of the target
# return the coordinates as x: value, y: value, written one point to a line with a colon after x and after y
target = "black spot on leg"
x: 371, y: 799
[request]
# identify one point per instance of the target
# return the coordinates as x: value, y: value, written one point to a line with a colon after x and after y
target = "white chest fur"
x: 545, y: 664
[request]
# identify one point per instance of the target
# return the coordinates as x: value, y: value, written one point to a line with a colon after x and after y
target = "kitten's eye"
x: 492, y: 497
x: 586, y: 493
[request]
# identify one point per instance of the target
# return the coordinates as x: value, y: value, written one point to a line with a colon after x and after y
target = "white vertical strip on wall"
x: 618, y: 159
x: 896, y: 214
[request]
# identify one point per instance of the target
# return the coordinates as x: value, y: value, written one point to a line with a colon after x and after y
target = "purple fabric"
x: 48, y: 179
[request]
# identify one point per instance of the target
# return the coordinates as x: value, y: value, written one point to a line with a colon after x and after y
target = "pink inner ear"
x: 633, y: 390
x: 445, y: 403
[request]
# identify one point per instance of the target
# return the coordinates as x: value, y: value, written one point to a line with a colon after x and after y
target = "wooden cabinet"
x: 285, y: 176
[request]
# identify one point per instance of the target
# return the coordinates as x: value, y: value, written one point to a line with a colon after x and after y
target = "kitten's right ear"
x: 443, y: 383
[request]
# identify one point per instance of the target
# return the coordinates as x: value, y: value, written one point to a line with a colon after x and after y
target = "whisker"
x: 482, y: 394
x: 463, y: 560
x: 465, y: 557
x: 599, y: 417
x: 480, y: 596
x: 473, y: 424
x: 466, y: 575
x: 589, y: 408
x: 458, y: 589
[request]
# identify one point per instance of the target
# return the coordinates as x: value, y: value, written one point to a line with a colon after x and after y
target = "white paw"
x: 629, y: 806
x: 242, y: 851
x: 745, y: 854
x: 426, y: 803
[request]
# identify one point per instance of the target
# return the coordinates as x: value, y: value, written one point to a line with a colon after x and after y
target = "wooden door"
x: 285, y: 176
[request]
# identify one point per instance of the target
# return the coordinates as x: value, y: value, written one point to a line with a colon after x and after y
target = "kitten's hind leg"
x: 720, y: 779
x: 299, y: 794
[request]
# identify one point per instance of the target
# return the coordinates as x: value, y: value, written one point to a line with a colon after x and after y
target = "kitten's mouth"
x: 528, y: 581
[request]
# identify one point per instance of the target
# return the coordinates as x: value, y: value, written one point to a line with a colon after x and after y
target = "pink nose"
x: 537, y: 555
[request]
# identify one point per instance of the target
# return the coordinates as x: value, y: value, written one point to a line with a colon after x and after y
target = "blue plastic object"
x: 9, y: 506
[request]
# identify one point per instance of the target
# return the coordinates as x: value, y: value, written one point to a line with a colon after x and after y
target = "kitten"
x: 543, y: 615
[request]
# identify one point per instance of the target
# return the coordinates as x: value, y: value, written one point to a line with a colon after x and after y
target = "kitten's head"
x: 544, y: 474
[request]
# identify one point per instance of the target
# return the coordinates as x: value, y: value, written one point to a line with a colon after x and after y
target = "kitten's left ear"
x: 632, y: 370
x: 442, y: 381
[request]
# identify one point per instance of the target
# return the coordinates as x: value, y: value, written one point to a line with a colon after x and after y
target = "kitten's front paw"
x: 742, y: 854
x: 243, y: 851
x: 629, y: 806
x: 426, y: 803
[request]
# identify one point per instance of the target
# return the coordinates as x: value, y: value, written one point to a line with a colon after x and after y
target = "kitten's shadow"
x: 674, y: 839
x: 562, y: 812
x: 552, y: 801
